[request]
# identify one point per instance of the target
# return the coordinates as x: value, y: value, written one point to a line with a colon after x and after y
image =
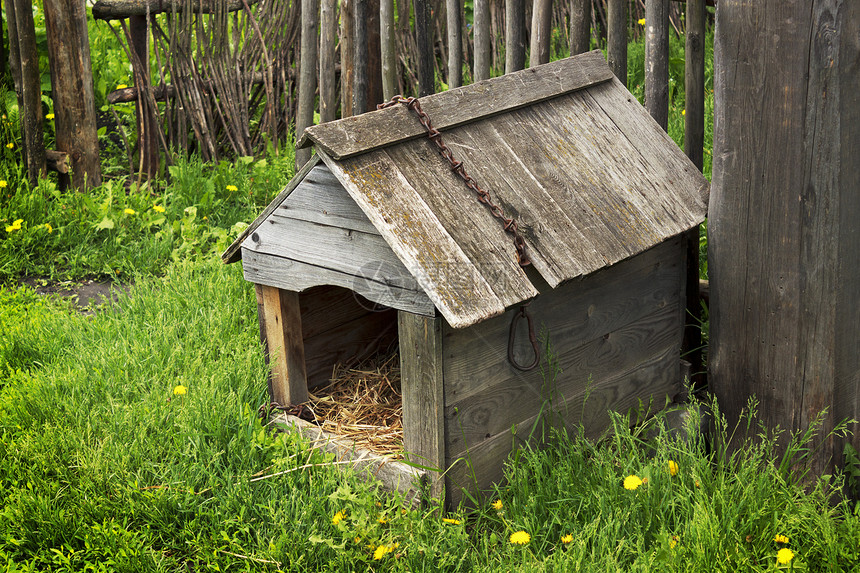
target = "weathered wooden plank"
x: 326, y: 307
x: 689, y: 187
x: 657, y: 378
x: 480, y: 235
x: 349, y: 343
x: 345, y: 138
x: 582, y: 362
x: 344, y: 250
x: 233, y: 252
x: 476, y: 359
x: 420, y: 241
x: 644, y: 197
x: 320, y: 198
x: 393, y: 475
x: 293, y: 275
x: 422, y: 387
x: 558, y: 249
x: 283, y: 323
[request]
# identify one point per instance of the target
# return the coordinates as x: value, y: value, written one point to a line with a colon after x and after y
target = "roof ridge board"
x: 358, y: 134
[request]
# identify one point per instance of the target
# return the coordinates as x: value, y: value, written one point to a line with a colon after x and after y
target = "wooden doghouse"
x: 377, y: 240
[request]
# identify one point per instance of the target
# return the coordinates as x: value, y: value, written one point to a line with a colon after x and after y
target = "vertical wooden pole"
x: 580, y: 26
x: 422, y: 387
x: 307, y: 75
x: 541, y: 32
x: 374, y: 57
x: 389, y: 58
x: 783, y: 234
x: 347, y: 56
x: 28, y: 86
x: 515, y: 35
x: 328, y: 42
x: 281, y: 322
x: 426, y: 57
x: 455, y: 43
x: 657, y: 60
x: 481, y: 27
x: 146, y: 137
x: 694, y: 137
x: 359, y: 59
x: 616, y: 39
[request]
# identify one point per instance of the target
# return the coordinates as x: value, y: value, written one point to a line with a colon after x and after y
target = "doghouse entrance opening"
x: 353, y: 367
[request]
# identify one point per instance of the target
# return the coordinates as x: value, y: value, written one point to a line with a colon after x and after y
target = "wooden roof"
x: 563, y: 147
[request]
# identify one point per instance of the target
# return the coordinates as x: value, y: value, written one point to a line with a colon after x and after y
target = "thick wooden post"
x: 281, y: 324
x: 580, y: 26
x: 347, y: 56
x: 515, y: 35
x: 694, y: 138
x: 455, y: 43
x: 25, y: 64
x: 541, y: 32
x: 657, y: 60
x: 616, y: 39
x: 328, y: 44
x: 481, y: 27
x: 423, y: 392
x: 389, y: 57
x: 307, y: 75
x: 783, y: 233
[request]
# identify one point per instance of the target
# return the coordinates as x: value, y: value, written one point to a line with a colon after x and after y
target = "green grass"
x: 103, y: 467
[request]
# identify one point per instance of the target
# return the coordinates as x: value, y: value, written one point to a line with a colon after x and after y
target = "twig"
x: 255, y: 559
x: 291, y: 470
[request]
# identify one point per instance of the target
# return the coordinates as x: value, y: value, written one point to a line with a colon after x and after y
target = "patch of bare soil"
x: 86, y: 295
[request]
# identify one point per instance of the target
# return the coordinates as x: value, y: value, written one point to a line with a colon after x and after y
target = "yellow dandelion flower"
x: 49, y: 116
x: 683, y: 112
x: 784, y: 556
x: 632, y: 482
x: 231, y: 188
x: 49, y: 227
x: 15, y: 226
x: 520, y: 538
x: 697, y: 483
x: 338, y: 517
x: 158, y: 208
x: 567, y: 538
x: 121, y: 86
x: 641, y: 21
x: 781, y: 539
x: 3, y: 184
x: 382, y: 521
x: 128, y: 211
x: 179, y: 390
x: 451, y: 521
x: 497, y: 505
x: 673, y: 468
x: 383, y: 550
x: 674, y: 541
x: 10, y: 145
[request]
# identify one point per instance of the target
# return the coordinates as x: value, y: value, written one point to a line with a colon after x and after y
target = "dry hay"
x: 363, y: 404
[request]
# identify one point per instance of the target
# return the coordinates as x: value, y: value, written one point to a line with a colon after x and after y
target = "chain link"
x: 483, y: 196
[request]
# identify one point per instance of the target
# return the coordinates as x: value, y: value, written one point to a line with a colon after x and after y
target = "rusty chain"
x: 509, y: 223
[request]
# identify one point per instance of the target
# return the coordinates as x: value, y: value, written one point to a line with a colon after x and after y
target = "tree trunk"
x: 307, y: 75
x: 541, y: 32
x: 22, y: 30
x: 783, y: 234
x: 515, y: 35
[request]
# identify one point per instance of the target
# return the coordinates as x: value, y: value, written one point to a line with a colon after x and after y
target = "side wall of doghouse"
x: 613, y: 336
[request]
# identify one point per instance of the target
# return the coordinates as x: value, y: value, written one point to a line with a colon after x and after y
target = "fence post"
x: 328, y: 78
x: 580, y: 26
x: 307, y: 75
x: 386, y: 40
x: 426, y: 57
x: 657, y: 60
x: 541, y: 32
x: 616, y: 39
x: 515, y: 35
x: 455, y: 43
x: 481, y: 27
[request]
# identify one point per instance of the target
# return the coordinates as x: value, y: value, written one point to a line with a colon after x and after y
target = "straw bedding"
x: 363, y: 403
